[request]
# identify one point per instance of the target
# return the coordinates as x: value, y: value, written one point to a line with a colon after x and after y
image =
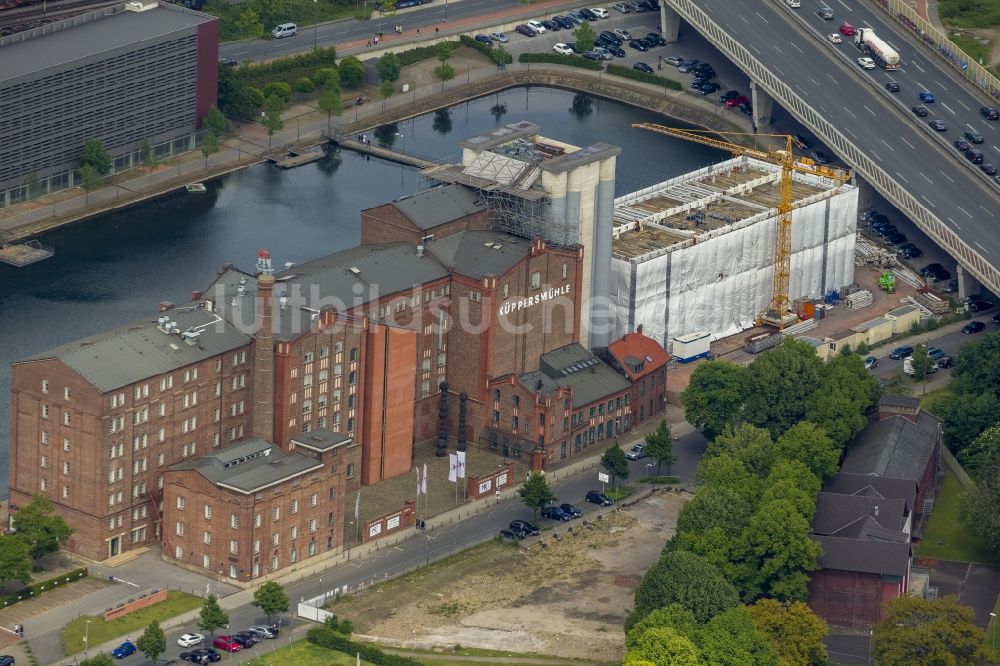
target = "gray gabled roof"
x: 866, y: 485
x: 843, y: 515
x: 479, y: 253
x: 439, y: 205
x: 87, y: 36
x: 894, y: 447
x: 131, y: 353
x: 250, y: 466
x: 322, y: 440
x: 904, y: 401
x: 873, y: 557
x: 591, y: 378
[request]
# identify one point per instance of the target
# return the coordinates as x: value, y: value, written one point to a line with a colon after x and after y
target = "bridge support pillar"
x: 866, y: 193
x: 762, y: 104
x: 670, y: 23
x: 967, y: 285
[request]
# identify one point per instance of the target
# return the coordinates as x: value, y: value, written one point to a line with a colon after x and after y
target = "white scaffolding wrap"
x: 721, y: 281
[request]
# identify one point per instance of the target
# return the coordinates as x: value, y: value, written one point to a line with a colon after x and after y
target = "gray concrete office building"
x: 125, y: 74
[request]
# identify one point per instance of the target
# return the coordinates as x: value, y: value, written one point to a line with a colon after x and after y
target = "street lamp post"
x: 86, y: 639
x: 993, y: 626
x: 351, y: 526
x: 649, y: 467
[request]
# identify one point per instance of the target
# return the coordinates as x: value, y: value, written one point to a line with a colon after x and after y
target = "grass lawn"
x: 304, y: 653
x: 101, y: 631
x: 929, y: 400
x: 475, y: 655
x: 945, y: 537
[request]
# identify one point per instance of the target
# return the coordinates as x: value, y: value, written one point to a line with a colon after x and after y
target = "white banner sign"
x: 603, y: 478
x: 484, y: 486
x: 392, y: 523
x: 375, y: 529
x: 502, y: 480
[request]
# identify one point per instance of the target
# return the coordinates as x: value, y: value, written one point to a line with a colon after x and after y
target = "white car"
x: 624, y: 34
x: 499, y: 37
x: 835, y: 38
x: 866, y: 63
x: 562, y: 49
x: 190, y: 640
x: 536, y: 26
x: 601, y: 12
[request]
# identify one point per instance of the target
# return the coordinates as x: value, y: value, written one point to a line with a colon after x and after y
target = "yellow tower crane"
x: 778, y: 308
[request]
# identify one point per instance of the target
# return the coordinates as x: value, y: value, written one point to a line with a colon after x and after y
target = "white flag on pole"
x: 423, y: 483
x: 453, y: 468
x: 417, y: 470
x: 357, y: 506
x: 461, y: 464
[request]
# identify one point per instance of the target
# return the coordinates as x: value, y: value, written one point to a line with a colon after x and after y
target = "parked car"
x: 708, y: 88
x: 511, y: 535
x: 609, y: 36
x: 500, y: 37
x: 901, y: 352
x: 551, y: 26
x: 642, y: 67
x: 825, y: 13
x: 980, y: 305
x: 745, y: 108
x: 973, y: 327
x: 225, y: 62
x: 190, y: 640
x: 973, y: 136
x: 820, y: 157
x: 600, y: 12
x: 589, y: 15
x: 536, y: 26
x: 945, y: 362
x: 728, y: 95
x: 895, y: 239
x: 921, y: 111
x: 265, y: 632
x: 635, y: 453
x: 961, y: 145
x: 974, y: 156
x: 871, y: 363
x: 935, y: 353
x: 562, y: 49
x: 485, y: 39
x: 6, y: 660
x: 996, y: 319
x: 655, y: 39
x: 676, y: 61
x: 226, y: 644
x: 638, y: 45
x: 564, y: 21
x: 572, y: 510
x: 988, y: 169
x: 733, y: 102
x: 938, y: 125
x: 124, y: 650
x: 555, y: 513
x: 616, y: 51
x: 524, y: 527
x: 597, y: 497
x: 246, y: 639
x: 687, y: 67
x: 892, y: 86
x: 622, y: 8
x: 926, y: 96
x: 201, y: 656
x: 526, y: 30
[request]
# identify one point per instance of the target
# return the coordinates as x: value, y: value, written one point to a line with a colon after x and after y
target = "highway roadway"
x: 828, y: 78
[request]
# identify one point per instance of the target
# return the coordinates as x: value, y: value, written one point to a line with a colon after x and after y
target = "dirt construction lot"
x: 567, y: 599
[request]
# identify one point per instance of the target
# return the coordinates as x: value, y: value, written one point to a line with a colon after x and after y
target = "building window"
x: 536, y: 280
x: 350, y: 470
x: 179, y: 528
x: 307, y: 406
x: 206, y: 561
x: 66, y: 445
x: 276, y: 513
x: 354, y: 354
x: 294, y: 557
x: 312, y: 524
x: 45, y: 386
x: 45, y: 413
x: 338, y: 370
x: 350, y: 425
x: 256, y: 546
x: 293, y: 533
x: 307, y: 357
x: 67, y: 393
x: 208, y: 512
x: 207, y: 537
x: 234, y: 546
x: 45, y: 437
x: 179, y: 552
x: 234, y: 521
x: 44, y: 462
x: 352, y: 378
x: 324, y: 352
x: 307, y: 379
x: 312, y: 548
x: 65, y: 492
x: 180, y: 502
x: 274, y: 564
x: 565, y: 270
x: 256, y: 520
x: 496, y: 416
x: 295, y: 506
x: 67, y: 419
x: 43, y: 485
x: 275, y: 539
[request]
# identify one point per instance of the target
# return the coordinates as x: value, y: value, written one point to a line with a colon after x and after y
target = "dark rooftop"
x: 894, y: 447
x: 63, y: 43
x: 500, y: 135
x: 872, y: 486
x: 439, y: 205
x: 591, y: 378
x: 321, y: 440
x: 874, y: 557
x: 250, y: 466
x: 904, y: 401
x: 479, y: 253
x: 849, y: 515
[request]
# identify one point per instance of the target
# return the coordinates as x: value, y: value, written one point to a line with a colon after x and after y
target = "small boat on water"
x: 195, y: 187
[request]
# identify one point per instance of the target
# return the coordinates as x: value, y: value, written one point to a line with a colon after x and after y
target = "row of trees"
x: 39, y: 531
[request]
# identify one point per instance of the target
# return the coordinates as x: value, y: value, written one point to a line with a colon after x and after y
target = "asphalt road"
x: 828, y: 78
x: 441, y: 542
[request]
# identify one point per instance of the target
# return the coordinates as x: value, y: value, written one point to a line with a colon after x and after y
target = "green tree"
x: 94, y: 155
x: 810, y: 445
x: 535, y: 492
x: 750, y: 445
x: 779, y: 541
x: 387, y: 88
x: 660, y: 447
x: 663, y: 646
x: 272, y: 122
x: 977, y: 367
x: 278, y: 89
x: 443, y: 51
x: 255, y: 97
x: 212, y: 617
x: 714, y: 397
x: 98, y: 660
x: 674, y: 616
x: 148, y: 158
x: 979, y: 504
x: 389, y: 67
x: 153, y: 642
x: 685, y: 579
x: 352, y: 72
x: 328, y: 77
x: 91, y: 180
x: 236, y: 100
x: 725, y: 471
x: 249, y: 25
x: 615, y: 464
x: 444, y: 72
x: 778, y: 383
x: 331, y: 104
x: 919, y: 631
x: 209, y: 146
x: 983, y: 449
x: 15, y: 560
x: 795, y: 632
x: 214, y: 121
x: 40, y: 527
x: 304, y: 85
x: 921, y: 363
x: 270, y: 598
x: 731, y: 638
x: 966, y: 416
x: 585, y: 37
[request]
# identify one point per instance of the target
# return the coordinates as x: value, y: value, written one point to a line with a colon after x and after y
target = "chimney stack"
x: 263, y: 365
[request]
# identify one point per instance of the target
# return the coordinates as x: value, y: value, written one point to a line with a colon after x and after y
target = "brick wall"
x: 849, y: 599
x: 386, y: 224
x: 133, y: 606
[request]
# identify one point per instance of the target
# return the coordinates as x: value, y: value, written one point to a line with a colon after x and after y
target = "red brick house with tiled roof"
x: 644, y: 361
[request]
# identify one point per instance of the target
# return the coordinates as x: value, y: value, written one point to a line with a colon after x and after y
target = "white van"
x: 795, y: 4
x: 284, y: 30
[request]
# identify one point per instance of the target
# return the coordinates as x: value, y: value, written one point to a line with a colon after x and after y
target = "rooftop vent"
x: 355, y: 270
x: 420, y: 250
x: 190, y: 337
x: 139, y: 6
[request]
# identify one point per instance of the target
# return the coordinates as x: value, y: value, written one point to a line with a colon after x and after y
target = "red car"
x: 227, y: 643
x: 734, y: 102
x: 846, y: 29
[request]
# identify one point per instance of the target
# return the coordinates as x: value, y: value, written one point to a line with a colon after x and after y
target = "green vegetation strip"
x: 100, y: 631
x: 304, y: 653
x: 946, y: 536
x: 286, y: 70
x: 629, y: 73
x: 334, y: 640
x: 41, y: 587
x: 496, y: 55
x: 252, y: 19
x: 559, y: 59
x: 970, y: 13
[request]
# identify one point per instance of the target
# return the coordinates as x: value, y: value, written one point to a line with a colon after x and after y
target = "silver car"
x: 636, y: 452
